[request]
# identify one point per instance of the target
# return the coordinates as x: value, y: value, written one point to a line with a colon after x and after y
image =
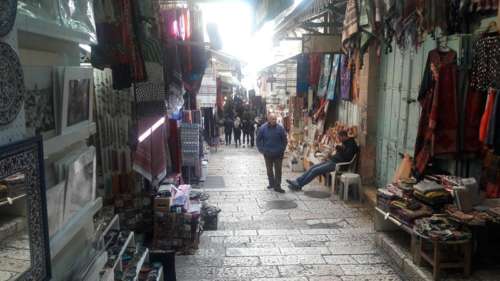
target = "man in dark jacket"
x: 272, y: 142
x: 228, y: 130
x: 344, y: 153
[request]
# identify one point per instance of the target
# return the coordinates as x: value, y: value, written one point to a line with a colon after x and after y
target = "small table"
x: 435, y: 259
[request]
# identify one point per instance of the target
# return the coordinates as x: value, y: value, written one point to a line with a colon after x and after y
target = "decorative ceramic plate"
x: 8, y: 9
x: 11, y: 84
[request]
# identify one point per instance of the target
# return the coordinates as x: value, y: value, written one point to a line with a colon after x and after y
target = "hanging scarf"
x: 334, y: 83
x: 326, y: 69
x: 302, y: 74
x: 345, y: 78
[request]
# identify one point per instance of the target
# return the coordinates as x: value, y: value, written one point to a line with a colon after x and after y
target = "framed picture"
x: 28, y: 242
x: 55, y: 207
x: 77, y: 97
x: 40, y: 103
x: 81, y: 183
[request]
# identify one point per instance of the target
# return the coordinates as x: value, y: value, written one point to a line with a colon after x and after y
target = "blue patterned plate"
x: 12, y: 87
x: 8, y: 9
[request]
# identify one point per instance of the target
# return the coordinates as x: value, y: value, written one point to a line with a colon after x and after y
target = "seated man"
x: 344, y: 153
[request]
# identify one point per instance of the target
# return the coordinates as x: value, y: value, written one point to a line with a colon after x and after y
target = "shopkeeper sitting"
x: 343, y: 153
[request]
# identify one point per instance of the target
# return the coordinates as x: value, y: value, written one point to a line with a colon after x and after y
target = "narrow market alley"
x: 312, y: 241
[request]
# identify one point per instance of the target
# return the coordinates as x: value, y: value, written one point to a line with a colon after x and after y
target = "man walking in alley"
x: 272, y: 142
x: 228, y: 130
x: 344, y: 153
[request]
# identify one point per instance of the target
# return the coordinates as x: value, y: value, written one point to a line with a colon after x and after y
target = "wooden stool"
x: 435, y: 259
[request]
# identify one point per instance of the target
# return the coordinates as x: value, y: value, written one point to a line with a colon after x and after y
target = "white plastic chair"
x: 343, y: 167
x: 349, y: 179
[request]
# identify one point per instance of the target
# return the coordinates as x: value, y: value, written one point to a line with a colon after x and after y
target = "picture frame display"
x: 77, y: 97
x: 40, y: 101
x: 81, y: 183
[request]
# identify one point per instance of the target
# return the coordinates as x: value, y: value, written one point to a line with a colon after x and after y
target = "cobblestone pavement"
x: 316, y: 241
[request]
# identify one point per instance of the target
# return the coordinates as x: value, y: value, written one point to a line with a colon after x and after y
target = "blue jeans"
x: 316, y: 170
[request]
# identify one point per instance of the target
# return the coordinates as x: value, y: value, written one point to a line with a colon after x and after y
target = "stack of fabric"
x: 431, y: 193
x: 494, y: 212
x: 441, y: 229
x: 471, y: 218
x: 409, y: 210
x: 384, y: 199
x: 399, y: 190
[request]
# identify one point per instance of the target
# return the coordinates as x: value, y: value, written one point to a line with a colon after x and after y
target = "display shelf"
x: 141, y: 263
x: 52, y: 30
x: 113, y: 224
x: 160, y: 274
x: 91, y: 273
x: 129, y: 240
x: 66, y: 139
x: 61, y: 238
x: 12, y: 200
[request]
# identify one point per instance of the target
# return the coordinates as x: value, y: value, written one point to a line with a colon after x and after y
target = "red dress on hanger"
x: 437, y: 132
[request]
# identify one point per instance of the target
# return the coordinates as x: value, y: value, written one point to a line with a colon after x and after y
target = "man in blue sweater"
x: 272, y: 142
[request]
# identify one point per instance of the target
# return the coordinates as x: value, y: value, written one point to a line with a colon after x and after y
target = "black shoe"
x: 293, y: 183
x: 269, y: 187
x: 293, y: 188
x: 278, y: 189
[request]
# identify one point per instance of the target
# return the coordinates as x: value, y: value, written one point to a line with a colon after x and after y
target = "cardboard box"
x: 162, y: 203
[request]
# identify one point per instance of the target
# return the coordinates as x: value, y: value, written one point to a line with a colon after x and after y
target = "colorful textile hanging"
x: 351, y: 25
x: 485, y: 119
x: 150, y: 158
x: 437, y: 131
x: 173, y: 22
x: 302, y: 74
x: 334, y: 82
x: 345, y: 78
x: 117, y: 47
x: 493, y: 138
x: 326, y: 70
x: 314, y: 69
x: 474, y: 108
x: 194, y: 57
x: 174, y: 145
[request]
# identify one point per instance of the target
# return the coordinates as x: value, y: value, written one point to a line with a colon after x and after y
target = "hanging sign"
x: 321, y: 43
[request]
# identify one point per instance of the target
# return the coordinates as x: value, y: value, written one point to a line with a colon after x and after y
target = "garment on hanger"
x: 435, y: 15
x: 194, y: 56
x: 472, y: 115
x: 486, y: 64
x: 172, y: 23
x: 485, y: 119
x: 314, y: 69
x: 438, y: 125
x: 150, y: 158
x: 334, y: 82
x: 302, y: 74
x: 345, y: 78
x: 117, y: 47
x: 174, y: 145
x: 351, y: 26
x: 493, y: 137
x: 326, y: 69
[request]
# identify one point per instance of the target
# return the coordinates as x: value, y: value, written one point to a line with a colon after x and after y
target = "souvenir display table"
x: 438, y: 218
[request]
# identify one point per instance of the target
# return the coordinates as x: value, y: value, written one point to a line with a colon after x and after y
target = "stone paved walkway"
x: 316, y: 241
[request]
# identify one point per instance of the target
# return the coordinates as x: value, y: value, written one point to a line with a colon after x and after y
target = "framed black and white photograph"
x: 77, y: 97
x: 40, y: 104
